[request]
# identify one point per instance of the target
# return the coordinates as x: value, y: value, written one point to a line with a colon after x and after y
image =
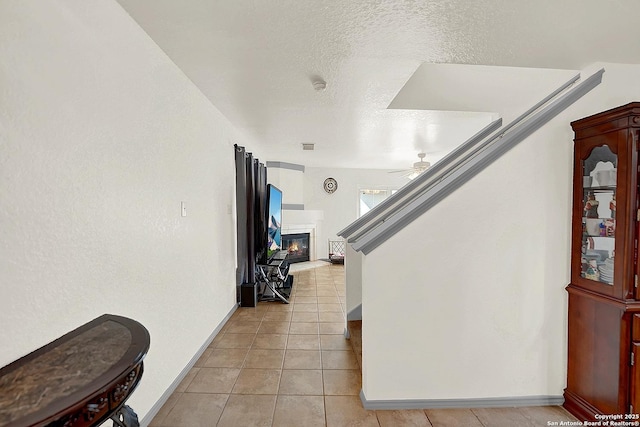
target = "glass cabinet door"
x: 599, y: 215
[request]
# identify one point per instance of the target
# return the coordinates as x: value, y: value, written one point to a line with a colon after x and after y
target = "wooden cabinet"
x: 604, y: 302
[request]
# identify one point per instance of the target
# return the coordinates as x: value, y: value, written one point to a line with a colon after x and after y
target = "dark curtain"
x: 251, y: 218
x: 241, y: 215
x: 251, y: 194
x: 260, y: 201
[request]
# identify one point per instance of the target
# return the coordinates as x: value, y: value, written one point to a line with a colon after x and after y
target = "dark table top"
x: 70, y: 372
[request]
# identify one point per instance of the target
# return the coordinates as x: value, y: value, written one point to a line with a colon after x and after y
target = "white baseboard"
x: 489, y: 402
x: 355, y: 313
x: 174, y: 385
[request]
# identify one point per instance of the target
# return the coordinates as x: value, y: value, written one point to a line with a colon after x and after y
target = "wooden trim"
x: 609, y: 115
x: 626, y: 305
x: 579, y: 407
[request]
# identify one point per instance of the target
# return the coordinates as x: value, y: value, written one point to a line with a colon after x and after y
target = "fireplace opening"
x: 297, y: 245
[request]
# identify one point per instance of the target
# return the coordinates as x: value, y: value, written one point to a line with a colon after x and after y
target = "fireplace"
x: 297, y: 245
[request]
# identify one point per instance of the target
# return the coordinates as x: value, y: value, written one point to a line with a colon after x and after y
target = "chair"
x: 336, y: 251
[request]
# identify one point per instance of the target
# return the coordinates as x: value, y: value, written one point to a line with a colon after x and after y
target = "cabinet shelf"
x: 601, y: 189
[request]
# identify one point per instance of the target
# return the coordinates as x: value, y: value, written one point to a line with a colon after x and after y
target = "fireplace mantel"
x: 304, y: 221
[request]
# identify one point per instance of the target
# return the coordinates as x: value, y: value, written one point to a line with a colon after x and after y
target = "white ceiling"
x: 402, y: 76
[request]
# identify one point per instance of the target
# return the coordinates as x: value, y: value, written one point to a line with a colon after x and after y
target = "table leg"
x: 125, y: 417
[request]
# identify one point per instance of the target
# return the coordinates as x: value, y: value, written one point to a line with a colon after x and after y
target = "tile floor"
x: 290, y: 365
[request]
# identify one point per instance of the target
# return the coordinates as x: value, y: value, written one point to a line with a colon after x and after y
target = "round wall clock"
x: 330, y: 185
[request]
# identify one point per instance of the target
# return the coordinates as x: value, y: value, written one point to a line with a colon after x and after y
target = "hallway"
x: 290, y: 365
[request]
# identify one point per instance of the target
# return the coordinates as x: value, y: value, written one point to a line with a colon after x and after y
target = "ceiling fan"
x: 416, y: 169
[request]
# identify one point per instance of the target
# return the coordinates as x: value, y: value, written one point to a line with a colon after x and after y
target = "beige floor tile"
x: 270, y: 341
x: 243, y: 327
x: 334, y: 342
x: 273, y: 328
x: 305, y: 293
x: 277, y: 316
x: 301, y: 382
x: 250, y: 313
x: 182, y: 387
x: 332, y: 359
x: 302, y: 359
x: 341, y: 292
x: 226, y: 358
x: 261, y: 358
x: 540, y: 415
x: 158, y: 420
x: 224, y: 327
x: 258, y: 308
x: 336, y: 328
x: 257, y: 381
x: 330, y: 308
x: 342, y: 382
x: 326, y: 292
x: 216, y: 340
x: 331, y: 317
x: 303, y: 342
x: 328, y: 300
x: 304, y: 328
x: 300, y: 316
x: 306, y: 300
x: 501, y: 417
x: 325, y: 284
x: 195, y: 410
x: 305, y: 308
x: 214, y: 380
x: 348, y: 411
x: 413, y: 418
x: 308, y: 283
x: 452, y: 418
x: 203, y: 358
x: 230, y: 340
x: 278, y: 307
x: 248, y: 410
x: 299, y: 411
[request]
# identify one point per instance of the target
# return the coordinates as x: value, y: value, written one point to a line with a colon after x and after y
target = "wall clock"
x: 330, y: 185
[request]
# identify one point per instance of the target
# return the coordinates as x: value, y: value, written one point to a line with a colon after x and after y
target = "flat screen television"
x: 274, y: 220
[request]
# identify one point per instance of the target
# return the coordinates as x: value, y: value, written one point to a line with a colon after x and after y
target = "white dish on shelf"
x: 606, y: 177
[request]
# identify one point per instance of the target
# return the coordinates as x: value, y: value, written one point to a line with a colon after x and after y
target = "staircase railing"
x: 460, y: 165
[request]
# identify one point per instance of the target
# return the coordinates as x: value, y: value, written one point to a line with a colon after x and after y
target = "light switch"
x: 183, y: 208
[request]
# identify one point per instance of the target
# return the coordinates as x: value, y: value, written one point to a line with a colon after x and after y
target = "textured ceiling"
x: 255, y: 60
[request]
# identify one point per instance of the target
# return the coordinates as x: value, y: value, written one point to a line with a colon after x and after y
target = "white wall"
x: 290, y: 181
x: 101, y: 138
x: 478, y: 306
x: 353, y: 279
x: 341, y: 207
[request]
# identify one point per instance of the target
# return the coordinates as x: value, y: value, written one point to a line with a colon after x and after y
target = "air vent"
x: 308, y: 147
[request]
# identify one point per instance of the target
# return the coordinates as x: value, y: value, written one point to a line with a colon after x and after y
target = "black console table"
x: 81, y: 379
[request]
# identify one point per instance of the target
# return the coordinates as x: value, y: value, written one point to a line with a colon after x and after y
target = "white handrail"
x: 459, y: 168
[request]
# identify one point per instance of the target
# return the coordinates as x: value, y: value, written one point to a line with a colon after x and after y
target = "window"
x: 371, y: 198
